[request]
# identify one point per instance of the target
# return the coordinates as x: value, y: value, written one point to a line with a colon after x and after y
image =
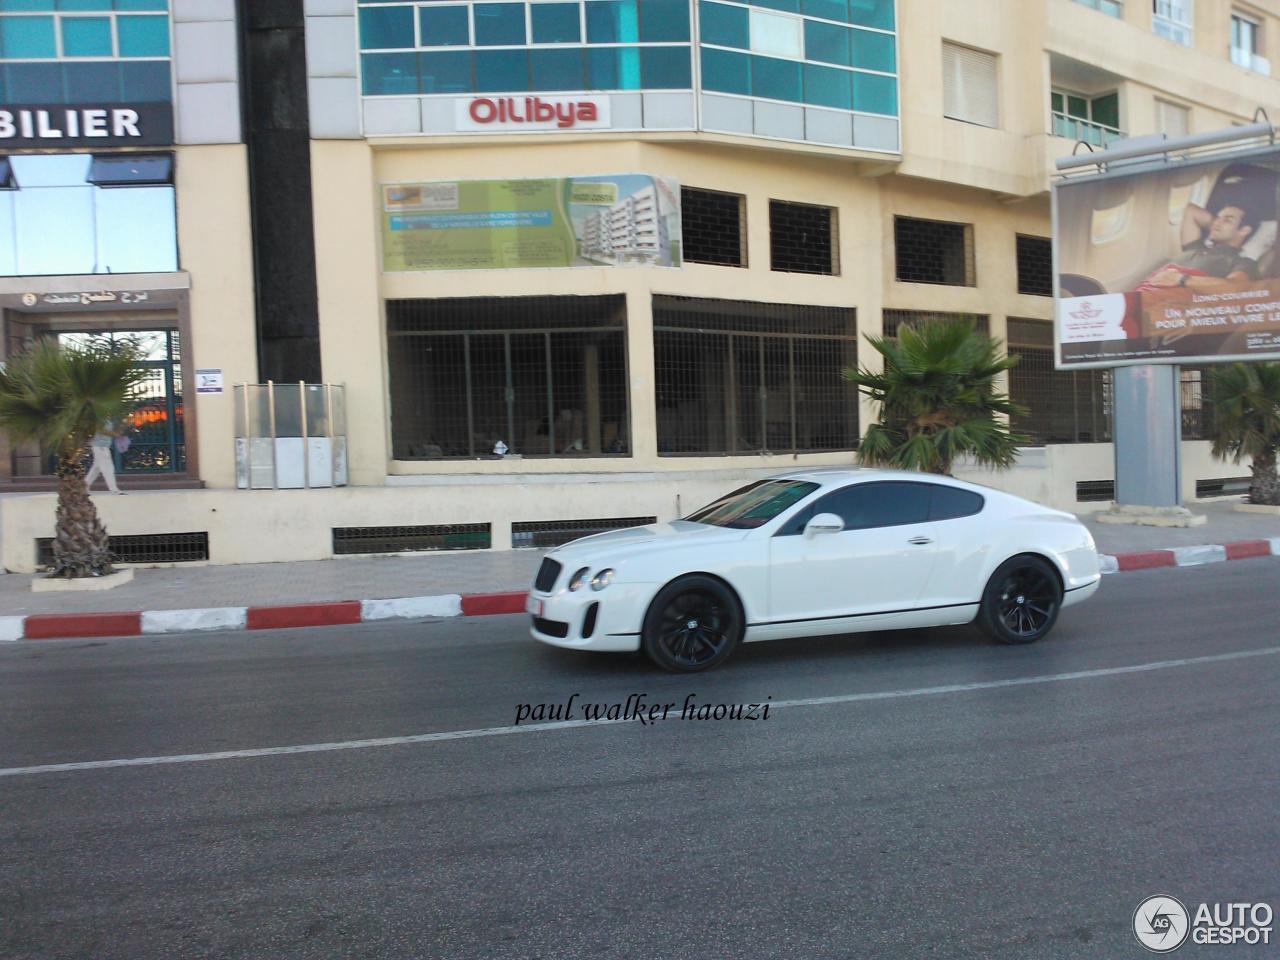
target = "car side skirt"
x: 939, y: 616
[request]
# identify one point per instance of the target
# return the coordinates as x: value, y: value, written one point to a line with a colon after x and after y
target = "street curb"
x: 62, y: 626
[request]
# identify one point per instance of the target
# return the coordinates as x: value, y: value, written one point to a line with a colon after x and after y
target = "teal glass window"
x: 664, y: 20
x: 143, y: 36
x: 874, y: 51
x: 386, y: 28
x: 502, y: 71
x: 499, y: 24
x: 21, y: 6
x: 827, y: 42
x: 872, y: 13
x: 555, y: 23
x: 723, y: 25
x: 612, y: 21
x: 387, y: 73
x: 84, y: 4
x: 86, y: 37
x: 92, y: 82
x: 27, y: 37
x: 448, y: 72
x: 775, y: 79
x: 826, y: 9
x: 556, y: 70
x: 828, y: 87
x: 875, y: 94
x: 444, y: 26
x: 141, y: 5
x: 790, y: 6
x: 613, y: 68
x: 665, y: 68
x: 726, y: 72
x: 147, y: 81
x: 34, y: 82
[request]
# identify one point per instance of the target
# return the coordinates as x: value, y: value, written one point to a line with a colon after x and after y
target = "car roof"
x: 832, y: 476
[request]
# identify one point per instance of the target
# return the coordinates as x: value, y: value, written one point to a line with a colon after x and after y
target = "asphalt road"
x: 897, y: 817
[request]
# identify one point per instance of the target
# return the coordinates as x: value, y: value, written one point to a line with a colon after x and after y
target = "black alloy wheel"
x: 1022, y: 601
x: 692, y: 624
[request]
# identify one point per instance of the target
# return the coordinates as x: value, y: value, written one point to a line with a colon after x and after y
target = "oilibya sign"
x: 532, y: 113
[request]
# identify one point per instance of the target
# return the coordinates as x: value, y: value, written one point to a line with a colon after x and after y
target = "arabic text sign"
x: 1173, y: 265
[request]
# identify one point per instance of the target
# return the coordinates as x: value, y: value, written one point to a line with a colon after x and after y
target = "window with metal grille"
x: 1063, y: 406
x: 933, y: 251
x: 714, y: 226
x: 143, y: 548
x: 552, y: 533
x: 739, y: 377
x: 1035, y: 266
x: 1197, y: 403
x: 450, y: 536
x: 1223, y: 487
x: 894, y: 319
x: 543, y: 376
x: 803, y: 238
x: 1095, y: 491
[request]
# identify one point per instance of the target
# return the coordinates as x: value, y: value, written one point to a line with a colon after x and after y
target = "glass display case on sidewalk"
x: 290, y: 435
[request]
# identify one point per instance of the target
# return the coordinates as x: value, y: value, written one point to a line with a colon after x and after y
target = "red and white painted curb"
x: 54, y: 626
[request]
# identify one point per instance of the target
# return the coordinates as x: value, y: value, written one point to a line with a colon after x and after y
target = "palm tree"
x: 1246, y: 422
x: 60, y: 396
x: 938, y: 399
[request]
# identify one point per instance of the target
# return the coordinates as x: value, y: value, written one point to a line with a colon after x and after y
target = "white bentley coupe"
x: 817, y: 552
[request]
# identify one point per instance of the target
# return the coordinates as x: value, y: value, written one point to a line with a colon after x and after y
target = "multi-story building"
x: 843, y: 167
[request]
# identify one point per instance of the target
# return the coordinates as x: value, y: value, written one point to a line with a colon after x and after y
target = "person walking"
x: 103, y: 462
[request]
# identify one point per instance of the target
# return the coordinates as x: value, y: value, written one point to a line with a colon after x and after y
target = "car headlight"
x: 602, y: 579
x: 579, y: 579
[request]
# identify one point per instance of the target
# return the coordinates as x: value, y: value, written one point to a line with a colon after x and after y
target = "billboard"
x: 509, y: 224
x: 1169, y: 265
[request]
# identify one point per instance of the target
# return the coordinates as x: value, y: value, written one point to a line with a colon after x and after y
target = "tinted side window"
x: 887, y: 504
x: 948, y: 503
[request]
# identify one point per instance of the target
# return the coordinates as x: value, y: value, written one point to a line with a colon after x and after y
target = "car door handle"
x: 920, y: 541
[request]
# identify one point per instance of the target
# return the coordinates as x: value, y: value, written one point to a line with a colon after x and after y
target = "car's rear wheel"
x: 692, y: 624
x: 1022, y: 600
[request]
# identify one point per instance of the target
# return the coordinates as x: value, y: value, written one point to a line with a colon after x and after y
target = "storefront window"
x: 555, y: 23
x: 444, y: 27
x: 499, y: 24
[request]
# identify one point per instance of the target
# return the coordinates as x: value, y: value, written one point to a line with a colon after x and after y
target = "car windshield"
x: 754, y: 506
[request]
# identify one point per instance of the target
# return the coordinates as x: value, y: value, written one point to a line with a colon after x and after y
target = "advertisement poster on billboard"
x: 1174, y: 265
x: 626, y: 219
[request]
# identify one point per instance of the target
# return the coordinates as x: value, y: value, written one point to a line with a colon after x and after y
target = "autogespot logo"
x: 1161, y: 924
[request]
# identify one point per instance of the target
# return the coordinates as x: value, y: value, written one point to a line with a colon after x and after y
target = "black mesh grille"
x: 547, y: 574
x: 552, y: 628
x: 1094, y: 491
x: 740, y: 377
x: 552, y: 533
x: 803, y: 238
x: 1035, y: 266
x: 1223, y: 487
x: 1063, y: 406
x: 455, y: 536
x: 589, y: 621
x: 714, y: 226
x: 932, y: 251
x: 893, y: 319
x: 143, y: 548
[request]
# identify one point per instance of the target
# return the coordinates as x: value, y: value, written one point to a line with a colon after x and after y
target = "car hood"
x: 615, y: 546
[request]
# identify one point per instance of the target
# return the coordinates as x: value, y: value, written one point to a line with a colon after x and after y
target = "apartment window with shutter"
x: 969, y: 88
x: 933, y: 251
x: 1035, y: 266
x: 1246, y: 43
x: 803, y: 238
x: 1172, y: 119
x: 714, y: 226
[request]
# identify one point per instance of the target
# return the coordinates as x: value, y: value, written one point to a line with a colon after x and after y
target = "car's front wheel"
x: 692, y: 624
x: 1022, y: 600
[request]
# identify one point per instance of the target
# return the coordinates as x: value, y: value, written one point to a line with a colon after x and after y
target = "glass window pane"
x: 22, y: 37
x: 665, y: 68
x: 386, y: 28
x: 445, y: 26
x: 873, y: 94
x: 64, y: 170
x: 872, y: 13
x: 144, y: 36
x: 386, y: 73
x: 84, y: 4
x: 1055, y: 102
x: 502, y: 71
x: 556, y: 70
x: 775, y: 79
x: 92, y: 82
x: 827, y: 42
x: 828, y: 87
x: 86, y: 37
x: 664, y: 20
x: 1106, y: 110
x: 790, y: 6
x: 34, y: 82
x: 602, y: 68
x: 874, y: 51
x: 870, y: 505
x: 55, y: 229
x: 774, y: 34
x: 148, y: 82
x: 723, y: 25
x: 556, y: 23
x: 726, y: 72
x: 948, y: 503
x: 8, y: 251
x: 8, y: 5
x: 827, y: 9
x: 137, y: 230
x: 499, y: 24
x: 1078, y: 107
x: 140, y: 4
x: 612, y: 21
x: 450, y: 72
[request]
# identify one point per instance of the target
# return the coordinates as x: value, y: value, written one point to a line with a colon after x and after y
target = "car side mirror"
x: 823, y: 523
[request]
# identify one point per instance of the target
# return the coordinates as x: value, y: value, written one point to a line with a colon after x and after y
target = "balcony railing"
x: 1250, y: 61
x: 1094, y: 134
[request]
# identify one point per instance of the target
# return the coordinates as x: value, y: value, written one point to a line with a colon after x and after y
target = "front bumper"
x: 562, y: 618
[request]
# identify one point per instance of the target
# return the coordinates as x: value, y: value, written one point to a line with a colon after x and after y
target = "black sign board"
x: 86, y: 125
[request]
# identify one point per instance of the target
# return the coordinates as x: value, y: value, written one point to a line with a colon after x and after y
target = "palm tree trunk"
x: 80, y: 545
x: 1265, y: 487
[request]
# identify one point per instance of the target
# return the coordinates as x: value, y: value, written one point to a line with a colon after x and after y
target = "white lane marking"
x: 573, y: 724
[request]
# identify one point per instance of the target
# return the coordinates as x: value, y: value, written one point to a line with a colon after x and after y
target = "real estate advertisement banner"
x: 1175, y: 265
x: 507, y: 224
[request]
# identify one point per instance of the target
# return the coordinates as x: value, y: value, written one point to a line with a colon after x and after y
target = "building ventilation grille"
x: 453, y: 536
x: 552, y: 533
x: 143, y: 548
x: 1095, y: 491
x: 1222, y: 487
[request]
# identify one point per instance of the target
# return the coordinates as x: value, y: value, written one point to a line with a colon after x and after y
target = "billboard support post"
x: 1147, y: 436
